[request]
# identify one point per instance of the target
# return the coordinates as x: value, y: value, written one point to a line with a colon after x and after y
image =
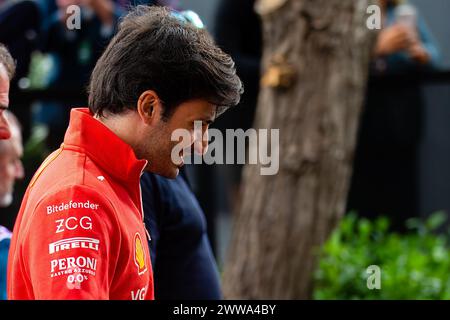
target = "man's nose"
x: 201, y: 144
x: 5, y: 133
x: 200, y: 147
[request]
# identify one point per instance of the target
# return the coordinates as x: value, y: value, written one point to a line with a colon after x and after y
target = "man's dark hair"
x: 7, y: 61
x: 156, y: 50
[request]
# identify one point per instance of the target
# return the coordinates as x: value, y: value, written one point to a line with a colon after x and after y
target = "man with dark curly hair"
x: 80, y: 231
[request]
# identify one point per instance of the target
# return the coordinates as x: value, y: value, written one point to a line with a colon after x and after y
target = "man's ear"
x: 149, y: 107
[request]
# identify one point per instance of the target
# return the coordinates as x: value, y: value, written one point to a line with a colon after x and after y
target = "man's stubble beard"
x: 156, y: 148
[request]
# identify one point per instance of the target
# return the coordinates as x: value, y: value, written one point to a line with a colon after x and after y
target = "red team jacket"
x: 80, y: 233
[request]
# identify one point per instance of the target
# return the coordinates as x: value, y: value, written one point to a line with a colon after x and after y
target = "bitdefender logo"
x: 71, y: 205
x: 73, y: 243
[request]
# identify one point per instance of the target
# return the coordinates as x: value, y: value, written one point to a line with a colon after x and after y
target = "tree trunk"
x: 316, y: 56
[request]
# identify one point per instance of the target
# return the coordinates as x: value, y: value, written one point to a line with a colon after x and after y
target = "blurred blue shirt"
x: 5, y: 238
x: 401, y: 62
x: 182, y: 259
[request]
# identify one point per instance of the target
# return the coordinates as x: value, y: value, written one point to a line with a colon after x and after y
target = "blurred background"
x: 54, y: 66
x: 434, y: 171
x: 434, y: 145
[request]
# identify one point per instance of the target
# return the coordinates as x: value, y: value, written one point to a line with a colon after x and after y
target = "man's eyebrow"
x: 207, y: 119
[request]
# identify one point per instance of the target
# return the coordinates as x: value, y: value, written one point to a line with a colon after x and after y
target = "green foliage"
x: 34, y: 153
x: 415, y: 265
x: 35, y: 150
x: 41, y: 72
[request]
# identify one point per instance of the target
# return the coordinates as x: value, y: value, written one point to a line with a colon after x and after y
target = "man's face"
x: 158, y: 143
x: 4, y: 102
x: 11, y: 167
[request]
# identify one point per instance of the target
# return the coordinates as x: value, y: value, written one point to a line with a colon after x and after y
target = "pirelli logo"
x: 73, y: 243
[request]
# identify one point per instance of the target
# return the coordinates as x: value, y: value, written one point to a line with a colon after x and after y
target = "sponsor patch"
x: 72, y: 223
x: 71, y: 205
x: 139, y: 254
x: 139, y: 294
x: 73, y: 243
x: 73, y: 265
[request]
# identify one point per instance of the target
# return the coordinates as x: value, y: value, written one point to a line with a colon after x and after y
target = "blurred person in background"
x: 7, y: 71
x: 19, y: 29
x: 78, y: 48
x: 385, y: 176
x: 74, y: 52
x: 238, y: 32
x: 11, y: 169
x: 29, y: 26
x: 183, y: 262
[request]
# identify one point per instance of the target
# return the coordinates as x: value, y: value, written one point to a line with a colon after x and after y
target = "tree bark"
x: 316, y: 57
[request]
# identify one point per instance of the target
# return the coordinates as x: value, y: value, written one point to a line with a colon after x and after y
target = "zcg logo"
x: 73, y: 223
